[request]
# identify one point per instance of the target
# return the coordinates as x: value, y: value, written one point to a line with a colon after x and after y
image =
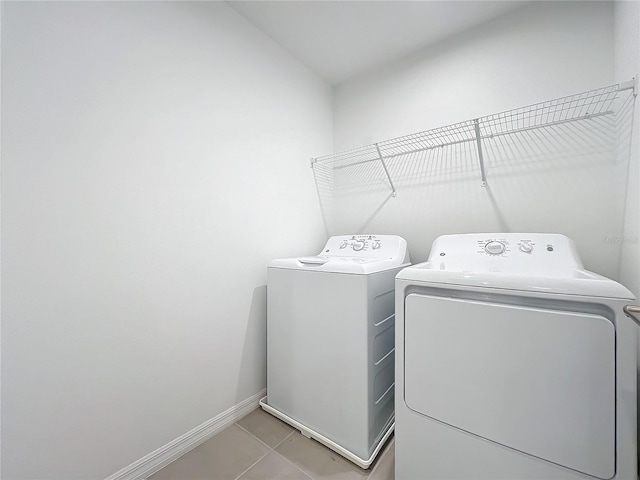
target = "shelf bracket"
x: 384, y: 165
x: 630, y: 85
x: 476, y: 124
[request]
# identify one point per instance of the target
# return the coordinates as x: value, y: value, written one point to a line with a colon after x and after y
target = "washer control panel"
x: 370, y: 246
x: 361, y: 243
x: 354, y: 243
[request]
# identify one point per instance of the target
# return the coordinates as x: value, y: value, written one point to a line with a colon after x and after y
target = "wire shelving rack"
x: 375, y: 158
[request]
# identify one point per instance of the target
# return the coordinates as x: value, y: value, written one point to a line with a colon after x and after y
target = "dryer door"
x: 536, y: 380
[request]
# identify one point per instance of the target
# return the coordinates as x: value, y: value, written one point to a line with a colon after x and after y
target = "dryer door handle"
x: 633, y: 312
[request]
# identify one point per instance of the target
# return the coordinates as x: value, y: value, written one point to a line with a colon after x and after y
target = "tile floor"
x: 261, y: 447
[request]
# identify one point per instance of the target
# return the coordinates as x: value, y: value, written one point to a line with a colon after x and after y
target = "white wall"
x: 627, y: 65
x: 1, y: 9
x: 541, y: 51
x: 154, y: 159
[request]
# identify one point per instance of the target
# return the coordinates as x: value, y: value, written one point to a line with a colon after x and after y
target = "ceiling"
x: 342, y: 39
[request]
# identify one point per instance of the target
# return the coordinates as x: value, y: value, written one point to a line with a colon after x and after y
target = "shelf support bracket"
x: 630, y: 85
x: 476, y: 124
x: 384, y: 165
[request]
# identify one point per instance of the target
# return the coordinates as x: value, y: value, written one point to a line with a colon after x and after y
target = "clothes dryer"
x: 513, y: 362
x: 330, y: 342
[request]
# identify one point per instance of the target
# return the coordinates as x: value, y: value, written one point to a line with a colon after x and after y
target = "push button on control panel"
x: 494, y: 248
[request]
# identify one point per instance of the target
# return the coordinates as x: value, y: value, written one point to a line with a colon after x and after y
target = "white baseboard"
x: 163, y: 456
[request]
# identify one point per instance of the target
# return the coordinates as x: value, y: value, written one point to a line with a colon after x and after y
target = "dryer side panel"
x: 535, y: 380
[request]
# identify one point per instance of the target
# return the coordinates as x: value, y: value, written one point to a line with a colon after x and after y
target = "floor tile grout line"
x: 250, y: 466
x: 324, y: 447
x: 259, y: 459
x: 271, y: 449
x: 294, y: 430
x: 282, y: 441
x: 253, y: 465
x: 247, y: 431
x: 299, y: 468
x: 295, y: 466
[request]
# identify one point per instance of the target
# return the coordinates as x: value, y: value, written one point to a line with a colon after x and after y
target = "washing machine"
x: 330, y: 342
x: 513, y: 362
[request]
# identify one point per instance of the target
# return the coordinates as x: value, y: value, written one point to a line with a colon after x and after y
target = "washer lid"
x: 354, y: 254
x: 546, y: 263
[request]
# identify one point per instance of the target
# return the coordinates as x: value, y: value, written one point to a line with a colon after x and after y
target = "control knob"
x: 495, y: 248
x: 526, y: 247
x: 358, y: 245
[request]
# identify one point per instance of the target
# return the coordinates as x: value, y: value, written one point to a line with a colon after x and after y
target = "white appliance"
x: 330, y: 342
x: 513, y: 362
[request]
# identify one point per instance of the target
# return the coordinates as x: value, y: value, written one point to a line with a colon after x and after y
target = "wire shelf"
x: 582, y: 106
x: 390, y: 158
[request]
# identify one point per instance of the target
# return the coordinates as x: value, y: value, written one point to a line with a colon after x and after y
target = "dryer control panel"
x: 529, y: 262
x: 505, y: 252
x: 502, y: 246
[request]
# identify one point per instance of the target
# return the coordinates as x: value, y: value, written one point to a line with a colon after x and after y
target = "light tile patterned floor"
x: 261, y: 447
